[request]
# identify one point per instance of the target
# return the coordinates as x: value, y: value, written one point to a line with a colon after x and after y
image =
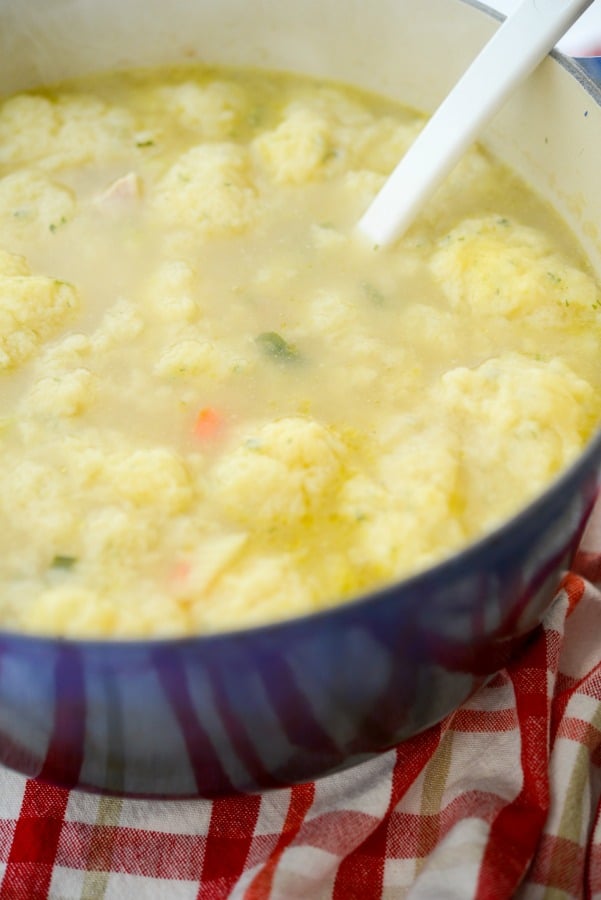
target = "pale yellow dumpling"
x: 219, y: 408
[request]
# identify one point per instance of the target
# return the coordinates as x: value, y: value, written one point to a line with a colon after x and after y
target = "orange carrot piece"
x: 180, y: 572
x: 209, y: 424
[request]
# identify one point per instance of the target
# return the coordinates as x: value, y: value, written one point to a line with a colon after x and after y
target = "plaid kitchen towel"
x: 502, y: 799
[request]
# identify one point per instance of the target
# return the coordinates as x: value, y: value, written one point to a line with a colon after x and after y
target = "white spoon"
x: 521, y: 42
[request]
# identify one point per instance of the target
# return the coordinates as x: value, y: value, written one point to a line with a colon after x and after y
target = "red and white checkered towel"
x: 500, y: 800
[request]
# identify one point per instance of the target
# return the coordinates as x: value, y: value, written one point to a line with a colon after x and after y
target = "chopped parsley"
x: 373, y: 294
x: 256, y: 117
x: 273, y: 344
x: 54, y: 226
x: 63, y: 562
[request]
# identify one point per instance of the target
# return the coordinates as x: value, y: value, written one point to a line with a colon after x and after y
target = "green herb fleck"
x: 373, y: 294
x: 503, y: 221
x: 54, y: 226
x: 256, y: 116
x: 554, y: 278
x: 145, y: 142
x: 273, y: 344
x: 63, y: 562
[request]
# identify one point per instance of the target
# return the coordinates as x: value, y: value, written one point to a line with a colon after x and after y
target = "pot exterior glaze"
x: 267, y: 707
x: 271, y: 706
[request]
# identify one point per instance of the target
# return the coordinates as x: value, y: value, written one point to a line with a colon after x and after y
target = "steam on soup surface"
x: 218, y: 406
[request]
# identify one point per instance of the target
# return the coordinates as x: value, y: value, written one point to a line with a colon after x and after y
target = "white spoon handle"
x: 515, y: 49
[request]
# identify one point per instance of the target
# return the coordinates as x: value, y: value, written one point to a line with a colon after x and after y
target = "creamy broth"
x: 220, y: 407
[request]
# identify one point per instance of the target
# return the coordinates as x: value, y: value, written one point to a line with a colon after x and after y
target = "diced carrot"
x: 180, y: 572
x: 209, y: 423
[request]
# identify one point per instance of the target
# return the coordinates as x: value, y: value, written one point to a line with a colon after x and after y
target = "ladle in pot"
x: 514, y: 51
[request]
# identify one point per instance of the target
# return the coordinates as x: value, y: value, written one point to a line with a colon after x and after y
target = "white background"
x: 583, y: 39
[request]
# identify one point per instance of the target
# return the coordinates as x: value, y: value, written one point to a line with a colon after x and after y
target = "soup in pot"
x: 220, y: 407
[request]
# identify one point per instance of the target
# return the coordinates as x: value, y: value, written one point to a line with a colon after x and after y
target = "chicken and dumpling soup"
x: 218, y: 406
